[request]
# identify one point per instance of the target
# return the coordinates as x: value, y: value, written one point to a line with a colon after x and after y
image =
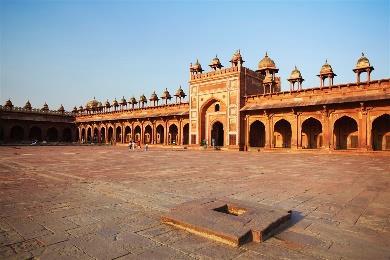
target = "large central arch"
x: 217, y: 134
x: 215, y: 107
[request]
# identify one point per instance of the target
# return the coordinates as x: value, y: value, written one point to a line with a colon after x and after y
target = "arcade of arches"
x: 26, y: 133
x: 344, y: 133
x: 164, y: 133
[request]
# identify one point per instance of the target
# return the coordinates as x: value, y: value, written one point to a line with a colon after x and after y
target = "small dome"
x: 92, y: 104
x: 154, y: 96
x: 74, y: 109
x: 8, y: 103
x: 107, y: 104
x: 81, y: 108
x: 216, y: 63
x: 295, y: 74
x: 143, y: 99
x: 123, y: 101
x: 180, y: 93
x: 166, y: 94
x: 115, y: 103
x: 61, y: 109
x: 237, y: 57
x: 196, y: 67
x: 27, y: 105
x: 100, y: 105
x: 45, y: 107
x: 266, y: 63
x: 133, y: 101
x: 363, y: 62
x: 326, y: 68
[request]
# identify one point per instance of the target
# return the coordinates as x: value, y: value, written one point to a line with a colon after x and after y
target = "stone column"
x: 362, y: 127
x: 166, y: 133
x: 154, y: 136
x: 180, y: 132
x: 299, y: 131
x: 142, y: 133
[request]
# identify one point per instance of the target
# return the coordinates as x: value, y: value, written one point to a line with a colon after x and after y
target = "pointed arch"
x: 381, y: 133
x: 345, y: 133
x: 311, y: 136
x: 257, y: 134
x: 282, y: 134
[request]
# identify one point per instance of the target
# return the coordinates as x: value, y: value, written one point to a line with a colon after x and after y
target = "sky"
x: 68, y: 52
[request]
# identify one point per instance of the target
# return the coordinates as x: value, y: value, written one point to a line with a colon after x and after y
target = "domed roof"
x: 123, y: 101
x: 180, y: 93
x: 61, y: 109
x: 196, y: 67
x: 363, y: 62
x: 237, y: 57
x: 100, y: 105
x: 45, y: 107
x: 216, y: 63
x: 154, y: 96
x: 115, y: 103
x: 27, y: 105
x: 107, y: 104
x: 81, y: 108
x: 266, y: 63
x: 295, y: 74
x: 74, y: 109
x: 143, y: 99
x: 92, y: 104
x: 326, y: 68
x: 166, y: 94
x: 8, y: 103
x: 132, y: 100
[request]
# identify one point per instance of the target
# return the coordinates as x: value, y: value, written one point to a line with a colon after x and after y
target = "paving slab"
x: 102, y: 202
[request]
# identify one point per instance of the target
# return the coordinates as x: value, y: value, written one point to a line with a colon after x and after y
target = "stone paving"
x: 90, y: 202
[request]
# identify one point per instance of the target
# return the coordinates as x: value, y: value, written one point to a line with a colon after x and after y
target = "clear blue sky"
x: 70, y: 51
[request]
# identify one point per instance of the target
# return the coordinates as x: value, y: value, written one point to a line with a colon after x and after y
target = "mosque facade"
x: 232, y: 108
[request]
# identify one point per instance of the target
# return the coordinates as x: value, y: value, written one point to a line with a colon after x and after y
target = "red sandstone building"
x: 232, y: 107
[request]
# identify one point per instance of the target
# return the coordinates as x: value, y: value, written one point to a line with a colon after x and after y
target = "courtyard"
x: 104, y: 202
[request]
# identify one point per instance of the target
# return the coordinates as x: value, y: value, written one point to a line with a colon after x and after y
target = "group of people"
x: 133, y: 145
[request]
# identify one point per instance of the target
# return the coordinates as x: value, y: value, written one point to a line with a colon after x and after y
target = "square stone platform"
x: 230, y: 221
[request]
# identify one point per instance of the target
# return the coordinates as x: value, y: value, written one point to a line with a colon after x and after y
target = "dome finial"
x: 326, y: 61
x: 266, y: 54
x: 363, y: 54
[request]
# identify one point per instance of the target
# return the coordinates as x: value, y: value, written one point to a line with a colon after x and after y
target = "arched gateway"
x: 217, y: 134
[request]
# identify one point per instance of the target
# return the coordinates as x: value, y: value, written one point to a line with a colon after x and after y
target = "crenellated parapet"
x: 168, y: 110
x: 35, y: 111
x: 334, y: 94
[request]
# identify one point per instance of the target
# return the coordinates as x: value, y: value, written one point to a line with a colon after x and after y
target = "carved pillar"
x: 180, y: 132
x: 299, y: 130
x: 154, y: 136
x: 142, y: 140
x: 166, y: 133
x: 362, y: 127
x: 326, y: 128
x: 247, y: 129
x: 271, y: 131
